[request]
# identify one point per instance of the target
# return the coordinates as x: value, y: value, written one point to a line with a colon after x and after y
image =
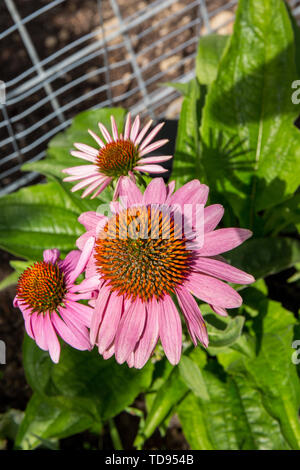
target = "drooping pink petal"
x: 82, y: 314
x: 81, y: 170
x: 130, y: 330
x: 27, y: 312
x: 154, y: 159
x: 212, y: 216
x: 69, y: 333
x: 109, y: 352
x: 212, y: 291
x: 86, y: 285
x: 219, y: 310
x: 90, y: 219
x: 69, y: 263
x: 110, y: 322
x: 221, y: 270
x: 52, y: 340
x: 98, y: 313
x: 149, y: 337
x: 106, y: 182
x: 87, y: 149
x: 84, y: 257
x: 222, y: 240
x: 84, y: 156
x: 130, y: 193
x: 170, y: 330
x: 190, y: 193
x: 37, y: 325
x: 156, y: 192
x: 151, y: 169
x: 192, y: 314
x: 85, y: 182
x: 51, y: 256
x: 101, y: 179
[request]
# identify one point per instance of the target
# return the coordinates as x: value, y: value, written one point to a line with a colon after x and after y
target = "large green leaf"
x: 187, y: 164
x: 210, y: 50
x: 85, y: 380
x: 271, y: 371
x: 37, y: 218
x: 58, y: 154
x: 264, y: 256
x: 44, y: 420
x: 233, y: 418
x: 250, y: 146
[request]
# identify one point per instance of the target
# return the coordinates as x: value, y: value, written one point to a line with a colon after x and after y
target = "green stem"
x: 114, y: 434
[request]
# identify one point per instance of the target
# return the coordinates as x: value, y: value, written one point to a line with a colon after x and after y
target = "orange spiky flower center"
x: 42, y: 287
x: 117, y: 158
x: 142, y: 253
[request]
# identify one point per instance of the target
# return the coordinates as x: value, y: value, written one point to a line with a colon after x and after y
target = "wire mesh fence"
x: 61, y: 57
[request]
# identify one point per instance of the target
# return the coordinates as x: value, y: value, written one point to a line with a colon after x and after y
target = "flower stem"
x: 114, y: 434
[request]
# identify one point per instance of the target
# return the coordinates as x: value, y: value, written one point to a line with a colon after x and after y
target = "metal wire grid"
x: 36, y: 106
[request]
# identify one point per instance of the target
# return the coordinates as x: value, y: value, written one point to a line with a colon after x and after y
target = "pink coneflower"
x: 118, y: 155
x: 139, y: 276
x: 48, y: 299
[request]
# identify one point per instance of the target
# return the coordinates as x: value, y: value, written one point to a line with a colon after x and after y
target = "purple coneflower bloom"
x: 47, y: 297
x: 118, y: 155
x: 140, y: 276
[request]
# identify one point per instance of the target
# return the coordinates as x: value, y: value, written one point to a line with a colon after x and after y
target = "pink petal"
x: 96, y: 138
x: 149, y: 337
x: 212, y: 216
x: 130, y: 193
x: 86, y: 285
x: 151, y: 169
x: 156, y: 192
x: 98, y: 313
x: 156, y: 145
x: 94, y: 186
x: 83, y: 156
x: 105, y: 133
x: 193, y: 317
x: 51, y: 256
x: 107, y: 181
x: 135, y: 129
x: 87, y: 149
x: 222, y: 271
x: 27, y: 319
x: 213, y: 291
x: 84, y: 257
x: 219, y: 310
x: 69, y: 263
x: 127, y: 127
x: 109, y: 352
x: 223, y: 239
x: 151, y: 135
x: 154, y: 159
x: 81, y: 314
x: 91, y: 219
x: 190, y: 193
x: 170, y: 330
x: 52, y: 341
x: 114, y: 128
x: 37, y: 324
x: 110, y: 322
x: 70, y: 333
x: 130, y: 330
x: 143, y: 132
x: 81, y: 170
x: 85, y: 182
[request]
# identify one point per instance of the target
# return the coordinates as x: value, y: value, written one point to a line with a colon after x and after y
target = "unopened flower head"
x: 139, y: 276
x: 48, y: 299
x: 117, y: 155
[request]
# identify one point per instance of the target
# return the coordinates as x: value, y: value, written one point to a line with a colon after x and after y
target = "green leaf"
x: 186, y: 165
x: 271, y: 371
x: 210, y: 50
x: 265, y: 256
x: 44, y: 421
x: 98, y: 387
x: 233, y: 418
x: 226, y: 337
x: 250, y: 145
x: 192, y: 376
x: 36, y: 218
x: 58, y: 154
